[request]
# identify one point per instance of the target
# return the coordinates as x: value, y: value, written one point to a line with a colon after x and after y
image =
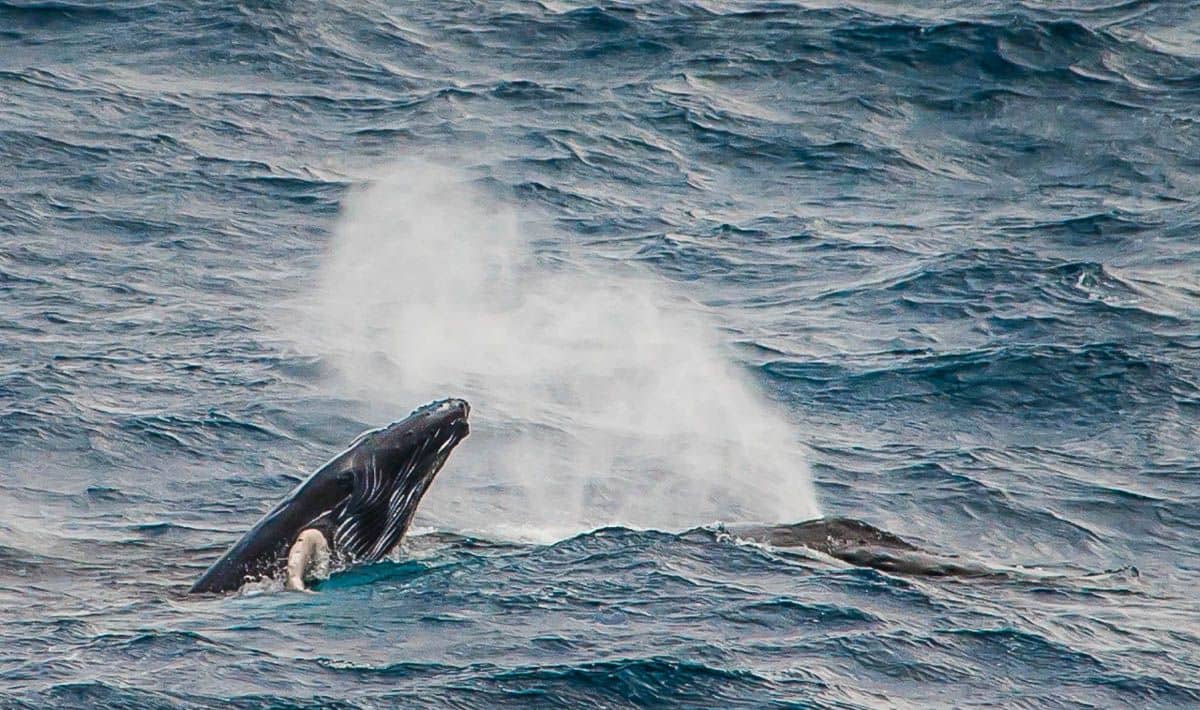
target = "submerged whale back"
x: 829, y: 535
x: 862, y: 544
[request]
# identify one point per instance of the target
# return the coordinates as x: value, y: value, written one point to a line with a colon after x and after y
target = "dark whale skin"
x: 862, y: 544
x: 262, y: 551
x: 362, y: 501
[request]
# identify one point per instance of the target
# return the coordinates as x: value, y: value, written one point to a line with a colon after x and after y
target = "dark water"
x: 957, y: 244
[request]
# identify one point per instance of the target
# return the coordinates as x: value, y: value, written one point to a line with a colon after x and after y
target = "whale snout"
x: 443, y: 409
x: 455, y: 408
x: 463, y: 410
x: 449, y: 416
x: 444, y: 421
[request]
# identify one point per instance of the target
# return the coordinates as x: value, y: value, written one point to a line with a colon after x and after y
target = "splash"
x: 599, y: 396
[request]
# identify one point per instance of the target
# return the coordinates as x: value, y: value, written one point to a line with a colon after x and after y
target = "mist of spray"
x: 598, y: 396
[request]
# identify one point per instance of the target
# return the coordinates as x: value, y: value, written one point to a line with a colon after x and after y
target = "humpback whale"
x: 355, y: 508
x: 861, y: 544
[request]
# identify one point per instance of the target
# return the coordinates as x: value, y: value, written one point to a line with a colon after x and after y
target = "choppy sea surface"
x: 949, y: 252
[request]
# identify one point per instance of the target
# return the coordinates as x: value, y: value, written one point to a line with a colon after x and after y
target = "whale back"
x: 862, y: 544
x: 830, y: 535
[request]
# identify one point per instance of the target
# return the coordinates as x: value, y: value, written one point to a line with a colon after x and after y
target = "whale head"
x: 362, y: 501
x: 384, y: 473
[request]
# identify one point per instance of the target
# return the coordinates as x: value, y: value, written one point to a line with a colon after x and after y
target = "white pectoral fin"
x: 309, y: 552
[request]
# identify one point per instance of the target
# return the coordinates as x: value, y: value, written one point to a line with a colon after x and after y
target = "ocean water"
x: 931, y: 265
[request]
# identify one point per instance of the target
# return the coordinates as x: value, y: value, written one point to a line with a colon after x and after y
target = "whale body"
x: 355, y: 508
x: 862, y: 544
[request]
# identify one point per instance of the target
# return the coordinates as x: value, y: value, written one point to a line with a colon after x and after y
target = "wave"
x: 949, y: 251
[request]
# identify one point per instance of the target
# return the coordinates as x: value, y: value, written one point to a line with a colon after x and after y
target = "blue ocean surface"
x: 931, y: 265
